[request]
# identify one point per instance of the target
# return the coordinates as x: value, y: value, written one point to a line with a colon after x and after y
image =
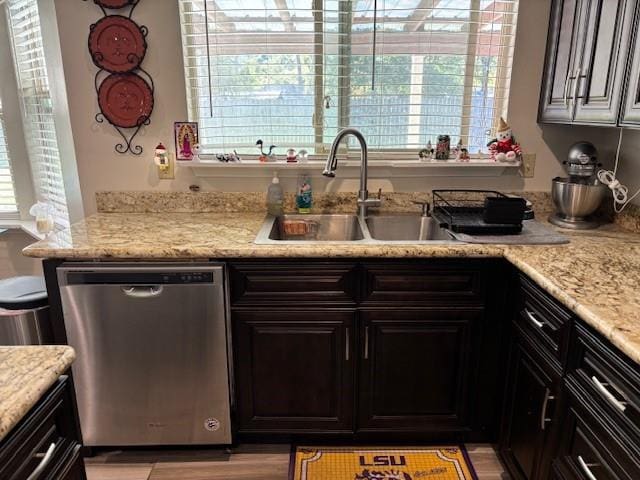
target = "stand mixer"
x: 579, y: 195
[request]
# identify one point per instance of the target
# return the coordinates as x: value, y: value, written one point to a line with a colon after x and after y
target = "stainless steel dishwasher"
x: 152, y: 352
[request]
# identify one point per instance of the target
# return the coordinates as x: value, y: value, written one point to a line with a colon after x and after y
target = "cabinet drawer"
x: 542, y: 318
x: 416, y: 283
x: 293, y: 284
x: 590, y: 448
x: 609, y: 378
x: 44, y: 437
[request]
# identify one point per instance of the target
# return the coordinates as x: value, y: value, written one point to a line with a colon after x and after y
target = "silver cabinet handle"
x: 576, y: 86
x: 532, y: 318
x: 346, y: 341
x: 585, y: 469
x: 366, y: 343
x: 148, y: 291
x: 543, y: 413
x: 622, y: 406
x: 46, y: 459
x: 567, y: 84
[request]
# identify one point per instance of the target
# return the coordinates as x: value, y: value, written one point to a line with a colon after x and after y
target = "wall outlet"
x: 169, y: 173
x: 528, y: 165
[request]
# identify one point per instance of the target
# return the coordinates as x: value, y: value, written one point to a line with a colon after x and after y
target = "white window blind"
x: 294, y: 72
x: 37, y: 110
x: 8, y: 204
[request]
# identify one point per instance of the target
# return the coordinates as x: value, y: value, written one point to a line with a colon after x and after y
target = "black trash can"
x: 24, y: 311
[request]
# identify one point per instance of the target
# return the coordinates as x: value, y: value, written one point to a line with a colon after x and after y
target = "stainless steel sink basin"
x: 295, y: 229
x: 406, y: 227
x: 311, y: 228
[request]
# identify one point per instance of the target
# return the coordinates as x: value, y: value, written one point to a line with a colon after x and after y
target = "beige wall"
x: 100, y: 168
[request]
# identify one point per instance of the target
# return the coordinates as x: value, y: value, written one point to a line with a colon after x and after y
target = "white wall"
x: 100, y: 168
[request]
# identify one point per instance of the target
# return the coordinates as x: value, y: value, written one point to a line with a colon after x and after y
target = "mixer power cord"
x: 620, y: 192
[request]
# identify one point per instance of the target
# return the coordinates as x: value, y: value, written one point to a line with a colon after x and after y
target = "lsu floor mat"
x: 380, y: 463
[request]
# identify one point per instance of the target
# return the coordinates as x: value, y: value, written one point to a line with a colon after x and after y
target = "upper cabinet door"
x: 631, y: 108
x: 556, y: 105
x: 598, y: 85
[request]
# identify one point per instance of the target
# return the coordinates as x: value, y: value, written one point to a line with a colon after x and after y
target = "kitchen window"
x: 36, y: 104
x: 295, y: 72
x: 8, y: 203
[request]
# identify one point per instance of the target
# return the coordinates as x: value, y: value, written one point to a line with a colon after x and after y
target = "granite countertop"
x: 596, y: 275
x: 26, y: 373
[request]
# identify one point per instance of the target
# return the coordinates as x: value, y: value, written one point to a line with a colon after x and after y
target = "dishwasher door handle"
x: 142, y: 291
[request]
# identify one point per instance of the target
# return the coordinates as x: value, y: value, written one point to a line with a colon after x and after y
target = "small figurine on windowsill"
x: 292, y: 156
x: 427, y: 152
x: 229, y: 157
x: 196, y: 152
x: 266, y: 157
x: 462, y: 153
x: 504, y: 147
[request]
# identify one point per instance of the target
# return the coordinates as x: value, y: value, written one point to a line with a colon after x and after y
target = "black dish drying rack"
x: 464, y: 211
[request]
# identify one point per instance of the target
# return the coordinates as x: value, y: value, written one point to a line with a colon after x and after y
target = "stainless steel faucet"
x: 364, y: 202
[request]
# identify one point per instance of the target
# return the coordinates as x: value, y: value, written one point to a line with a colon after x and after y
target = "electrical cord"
x: 620, y: 192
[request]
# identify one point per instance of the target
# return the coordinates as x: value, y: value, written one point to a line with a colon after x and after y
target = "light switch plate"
x: 170, y: 173
x: 528, y: 165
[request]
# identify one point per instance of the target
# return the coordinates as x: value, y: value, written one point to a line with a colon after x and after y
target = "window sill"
x: 351, y: 168
x: 28, y: 227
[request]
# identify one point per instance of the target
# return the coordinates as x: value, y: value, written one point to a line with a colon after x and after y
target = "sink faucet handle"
x: 426, y: 207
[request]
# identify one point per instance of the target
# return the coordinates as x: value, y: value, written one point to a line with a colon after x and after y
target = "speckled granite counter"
x: 596, y: 275
x: 26, y: 373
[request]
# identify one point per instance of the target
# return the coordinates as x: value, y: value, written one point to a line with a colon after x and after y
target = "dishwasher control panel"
x: 139, y: 278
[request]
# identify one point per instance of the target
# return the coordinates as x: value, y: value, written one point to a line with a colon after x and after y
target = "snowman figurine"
x: 504, y: 148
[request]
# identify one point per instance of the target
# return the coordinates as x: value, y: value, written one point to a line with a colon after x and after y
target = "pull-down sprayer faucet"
x: 364, y: 202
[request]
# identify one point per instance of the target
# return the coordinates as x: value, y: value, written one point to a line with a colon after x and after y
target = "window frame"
x: 3, y: 139
x: 500, y: 102
x: 24, y: 180
x: 14, y: 130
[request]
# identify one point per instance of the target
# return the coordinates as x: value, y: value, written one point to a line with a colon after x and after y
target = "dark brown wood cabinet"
x: 537, y: 356
x: 418, y: 369
x: 532, y: 393
x: 388, y: 347
x: 46, y: 440
x: 572, y: 400
x: 589, y: 446
x: 285, y: 283
x: 587, y: 61
x: 294, y: 370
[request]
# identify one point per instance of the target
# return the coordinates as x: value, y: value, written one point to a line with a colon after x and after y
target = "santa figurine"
x: 504, y: 148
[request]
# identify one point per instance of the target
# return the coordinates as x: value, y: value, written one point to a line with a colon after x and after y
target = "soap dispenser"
x: 275, y: 197
x: 304, y: 195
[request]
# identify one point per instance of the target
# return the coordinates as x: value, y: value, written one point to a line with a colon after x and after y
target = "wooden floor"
x: 246, y: 462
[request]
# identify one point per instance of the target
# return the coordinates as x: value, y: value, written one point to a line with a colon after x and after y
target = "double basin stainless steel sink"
x: 338, y: 228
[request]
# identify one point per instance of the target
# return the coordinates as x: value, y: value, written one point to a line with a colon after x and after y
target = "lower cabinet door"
x: 530, y: 401
x: 589, y: 446
x: 71, y: 468
x: 417, y: 370
x: 294, y: 371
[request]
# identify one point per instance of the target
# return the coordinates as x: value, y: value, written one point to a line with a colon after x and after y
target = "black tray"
x: 462, y: 211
